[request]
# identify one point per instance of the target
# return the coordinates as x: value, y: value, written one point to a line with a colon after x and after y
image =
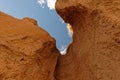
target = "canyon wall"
x: 94, y: 53
x: 27, y: 52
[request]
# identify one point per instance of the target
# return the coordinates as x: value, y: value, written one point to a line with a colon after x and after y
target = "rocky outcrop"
x: 95, y: 51
x: 27, y: 52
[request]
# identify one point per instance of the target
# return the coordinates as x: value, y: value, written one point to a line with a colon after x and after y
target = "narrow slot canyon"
x: 28, y: 52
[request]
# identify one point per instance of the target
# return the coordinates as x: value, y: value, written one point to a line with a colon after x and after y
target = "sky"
x: 44, y: 12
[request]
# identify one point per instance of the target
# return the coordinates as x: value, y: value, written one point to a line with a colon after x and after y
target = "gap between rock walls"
x: 63, y: 50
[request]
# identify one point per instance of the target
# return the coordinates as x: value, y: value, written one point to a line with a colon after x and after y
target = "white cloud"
x: 70, y: 30
x: 42, y: 3
x: 61, y: 20
x: 50, y: 3
x: 63, y: 49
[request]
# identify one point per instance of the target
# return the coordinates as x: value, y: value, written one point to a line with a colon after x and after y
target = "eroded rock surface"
x: 27, y: 52
x: 95, y: 51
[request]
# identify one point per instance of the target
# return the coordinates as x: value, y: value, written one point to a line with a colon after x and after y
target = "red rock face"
x: 95, y: 51
x: 27, y: 52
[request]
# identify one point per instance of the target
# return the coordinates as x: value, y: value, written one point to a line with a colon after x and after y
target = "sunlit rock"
x: 27, y: 52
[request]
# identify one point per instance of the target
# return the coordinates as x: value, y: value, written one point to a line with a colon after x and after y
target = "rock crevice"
x: 28, y: 52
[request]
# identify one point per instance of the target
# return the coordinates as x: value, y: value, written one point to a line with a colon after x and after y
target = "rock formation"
x: 95, y: 51
x: 27, y: 52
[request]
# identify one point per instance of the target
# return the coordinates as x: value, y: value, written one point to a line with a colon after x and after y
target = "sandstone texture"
x: 94, y: 53
x: 27, y: 52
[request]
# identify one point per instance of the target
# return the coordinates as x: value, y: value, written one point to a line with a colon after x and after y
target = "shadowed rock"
x: 95, y: 51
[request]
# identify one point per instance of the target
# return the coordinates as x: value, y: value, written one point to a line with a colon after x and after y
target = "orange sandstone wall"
x: 95, y: 51
x: 27, y: 52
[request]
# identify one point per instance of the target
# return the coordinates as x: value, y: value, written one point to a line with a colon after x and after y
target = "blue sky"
x: 43, y: 11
